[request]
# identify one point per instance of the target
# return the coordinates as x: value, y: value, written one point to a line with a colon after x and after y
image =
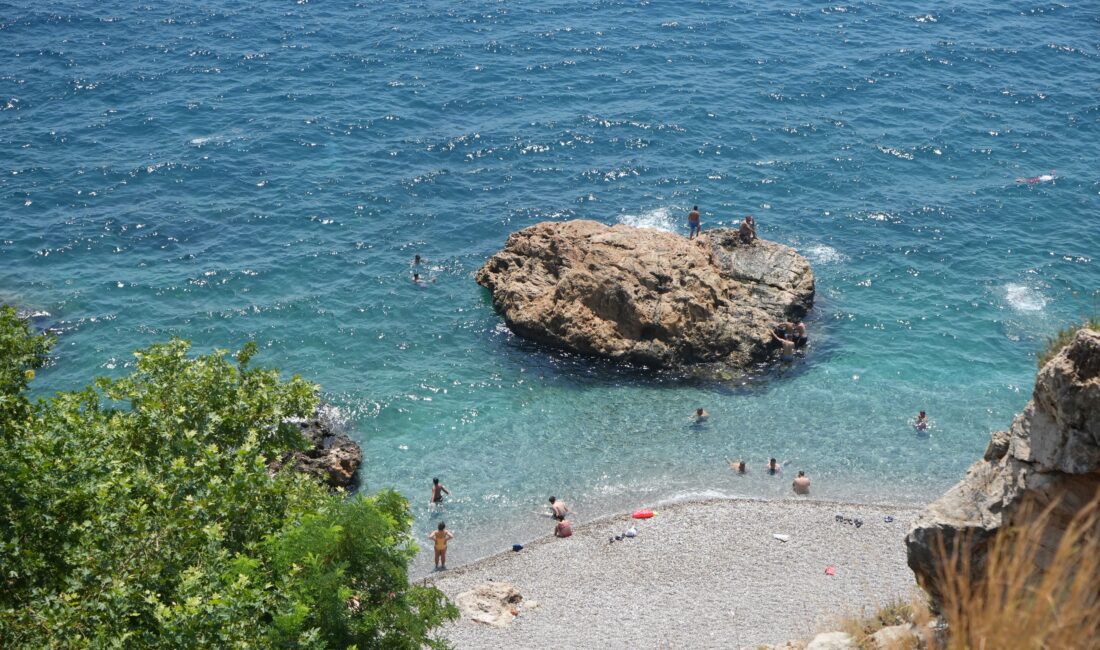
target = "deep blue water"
x: 266, y: 171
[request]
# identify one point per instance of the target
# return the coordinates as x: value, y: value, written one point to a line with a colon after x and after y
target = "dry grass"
x: 1062, y: 339
x: 899, y: 612
x: 1015, y: 604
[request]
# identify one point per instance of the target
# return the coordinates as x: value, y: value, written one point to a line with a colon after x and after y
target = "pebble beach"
x: 706, y: 574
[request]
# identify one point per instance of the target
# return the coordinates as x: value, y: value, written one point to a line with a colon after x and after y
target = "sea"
x: 232, y: 171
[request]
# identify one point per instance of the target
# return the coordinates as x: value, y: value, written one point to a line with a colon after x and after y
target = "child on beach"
x: 441, y: 536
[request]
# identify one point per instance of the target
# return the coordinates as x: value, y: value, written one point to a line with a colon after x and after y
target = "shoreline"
x: 702, y: 573
x: 674, y: 502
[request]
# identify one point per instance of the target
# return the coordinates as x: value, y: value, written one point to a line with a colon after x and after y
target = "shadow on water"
x: 576, y: 371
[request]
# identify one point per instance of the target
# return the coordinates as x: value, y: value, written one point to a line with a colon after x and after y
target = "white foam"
x: 659, y: 219
x: 823, y: 254
x: 1024, y: 298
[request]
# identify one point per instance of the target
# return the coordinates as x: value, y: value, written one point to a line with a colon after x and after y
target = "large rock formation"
x: 647, y: 296
x: 331, y: 455
x: 1051, y: 454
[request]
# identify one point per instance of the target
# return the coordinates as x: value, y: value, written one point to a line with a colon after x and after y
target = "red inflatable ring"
x: 642, y: 514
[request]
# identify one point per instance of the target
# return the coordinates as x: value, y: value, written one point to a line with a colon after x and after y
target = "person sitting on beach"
x: 800, y: 337
x: 693, y: 222
x: 558, y: 509
x: 441, y: 536
x: 801, y: 483
x: 773, y: 468
x: 921, y: 423
x: 747, y: 231
x: 788, y: 346
x: 738, y: 467
x: 563, y: 529
x: 438, y: 490
x: 701, y: 416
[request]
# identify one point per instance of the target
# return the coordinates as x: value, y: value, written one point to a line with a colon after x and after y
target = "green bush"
x: 1060, y: 340
x: 140, y: 512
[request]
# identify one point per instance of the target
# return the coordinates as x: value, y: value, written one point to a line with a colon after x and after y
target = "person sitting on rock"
x: 747, y: 231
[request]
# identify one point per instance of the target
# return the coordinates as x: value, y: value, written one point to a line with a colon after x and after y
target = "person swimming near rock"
x: 800, y: 336
x: 787, y: 342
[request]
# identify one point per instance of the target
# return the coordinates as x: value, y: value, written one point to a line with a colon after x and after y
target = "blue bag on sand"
x: 517, y: 547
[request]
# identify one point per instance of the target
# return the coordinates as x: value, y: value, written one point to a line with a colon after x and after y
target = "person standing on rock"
x: 693, y: 222
x: 440, y: 536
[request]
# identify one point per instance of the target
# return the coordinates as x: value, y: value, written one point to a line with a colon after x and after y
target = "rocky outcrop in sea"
x: 647, y: 296
x: 1050, y: 455
x: 331, y: 455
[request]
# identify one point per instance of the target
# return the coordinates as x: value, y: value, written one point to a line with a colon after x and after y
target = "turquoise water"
x: 266, y: 171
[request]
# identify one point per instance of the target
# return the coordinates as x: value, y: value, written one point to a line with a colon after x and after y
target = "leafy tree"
x: 141, y: 512
x: 21, y: 353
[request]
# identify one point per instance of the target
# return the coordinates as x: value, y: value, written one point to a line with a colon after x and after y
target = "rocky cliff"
x: 1050, y: 455
x: 647, y: 296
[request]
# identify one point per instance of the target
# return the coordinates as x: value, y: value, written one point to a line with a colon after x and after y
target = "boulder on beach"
x: 1050, y: 455
x: 648, y: 296
x: 331, y: 455
x: 492, y: 603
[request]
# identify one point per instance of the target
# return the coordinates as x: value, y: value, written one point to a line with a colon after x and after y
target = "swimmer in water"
x: 1034, y: 180
x: 788, y: 346
x: 921, y: 423
x: 700, y: 416
x: 438, y: 490
x: 773, y: 468
x: 738, y: 467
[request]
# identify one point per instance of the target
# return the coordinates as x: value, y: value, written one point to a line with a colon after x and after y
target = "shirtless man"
x: 738, y: 467
x: 693, y: 222
x: 701, y: 416
x: 438, y: 490
x: 747, y: 231
x: 559, y: 509
x: 801, y: 484
x: 788, y: 346
x: 773, y: 468
x: 800, y: 337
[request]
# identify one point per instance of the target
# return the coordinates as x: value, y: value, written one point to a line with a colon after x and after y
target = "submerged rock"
x: 647, y: 296
x: 332, y: 456
x: 1050, y: 454
x: 492, y: 603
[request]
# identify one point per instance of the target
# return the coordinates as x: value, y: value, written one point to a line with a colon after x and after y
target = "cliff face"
x: 647, y: 296
x: 1050, y: 454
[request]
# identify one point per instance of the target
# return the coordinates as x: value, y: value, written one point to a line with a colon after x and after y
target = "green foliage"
x: 21, y: 353
x: 1060, y: 340
x: 141, y: 512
